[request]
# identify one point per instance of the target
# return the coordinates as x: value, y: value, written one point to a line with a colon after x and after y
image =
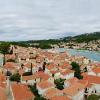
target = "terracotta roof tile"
x: 73, y: 89
x: 42, y: 75
x: 60, y: 98
x: 72, y: 80
x: 2, y: 94
x: 21, y: 92
x: 65, y: 65
x: 67, y: 71
x: 96, y: 70
x: 92, y: 79
x: 52, y: 92
x: 10, y: 65
x: 45, y: 84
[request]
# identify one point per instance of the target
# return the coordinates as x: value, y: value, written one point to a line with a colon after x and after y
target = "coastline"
x: 92, y: 55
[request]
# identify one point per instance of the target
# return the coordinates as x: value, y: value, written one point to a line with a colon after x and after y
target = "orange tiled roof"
x: 73, y: 89
x: 60, y: 98
x: 2, y: 94
x: 3, y: 81
x: 3, y: 84
x: 10, y: 56
x: 92, y: 79
x: 84, y: 82
x: 65, y: 65
x: 21, y: 92
x: 54, y: 71
x: 10, y: 65
x: 67, y: 71
x: 42, y: 75
x: 51, y: 66
x: 72, y: 80
x: 96, y: 70
x: 2, y: 78
x: 45, y: 84
x: 21, y: 71
x: 52, y: 92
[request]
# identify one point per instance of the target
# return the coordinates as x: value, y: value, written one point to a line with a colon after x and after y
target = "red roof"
x: 72, y: 80
x: 52, y: 92
x: 45, y: 84
x: 60, y: 98
x: 42, y: 75
x: 92, y: 79
x: 10, y: 56
x: 21, y: 92
x: 96, y: 70
x: 2, y: 78
x: 84, y: 82
x: 74, y: 89
x: 51, y: 66
x: 2, y: 94
x: 65, y: 65
x: 67, y: 71
x: 3, y: 81
x: 10, y: 65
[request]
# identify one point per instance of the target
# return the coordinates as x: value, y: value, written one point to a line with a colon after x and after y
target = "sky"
x: 45, y: 19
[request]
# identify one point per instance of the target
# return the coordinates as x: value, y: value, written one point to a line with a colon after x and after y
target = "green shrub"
x: 15, y: 77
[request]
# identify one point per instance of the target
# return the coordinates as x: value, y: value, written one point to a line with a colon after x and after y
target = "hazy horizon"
x: 47, y: 19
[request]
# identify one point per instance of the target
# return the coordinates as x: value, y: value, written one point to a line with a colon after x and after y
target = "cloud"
x: 44, y: 19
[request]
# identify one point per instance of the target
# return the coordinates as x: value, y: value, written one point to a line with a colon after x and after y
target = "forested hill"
x: 47, y: 43
x: 86, y: 37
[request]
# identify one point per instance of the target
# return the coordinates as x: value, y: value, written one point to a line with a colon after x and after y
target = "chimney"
x: 31, y: 68
x: 44, y: 64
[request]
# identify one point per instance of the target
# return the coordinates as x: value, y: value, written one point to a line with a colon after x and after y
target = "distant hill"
x: 86, y: 37
x: 44, y: 44
x: 79, y: 38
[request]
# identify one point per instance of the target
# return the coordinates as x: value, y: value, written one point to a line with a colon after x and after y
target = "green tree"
x: 93, y: 97
x: 4, y: 49
x: 77, y: 70
x: 85, y: 69
x: 78, y: 75
x: 15, y: 77
x: 75, y: 66
x: 35, y: 92
x: 59, y: 83
x: 40, y: 98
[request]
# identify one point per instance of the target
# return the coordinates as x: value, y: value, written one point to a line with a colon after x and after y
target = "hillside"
x: 86, y: 37
x: 44, y: 44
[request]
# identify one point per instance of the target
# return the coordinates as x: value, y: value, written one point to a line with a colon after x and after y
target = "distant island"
x: 87, y: 41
